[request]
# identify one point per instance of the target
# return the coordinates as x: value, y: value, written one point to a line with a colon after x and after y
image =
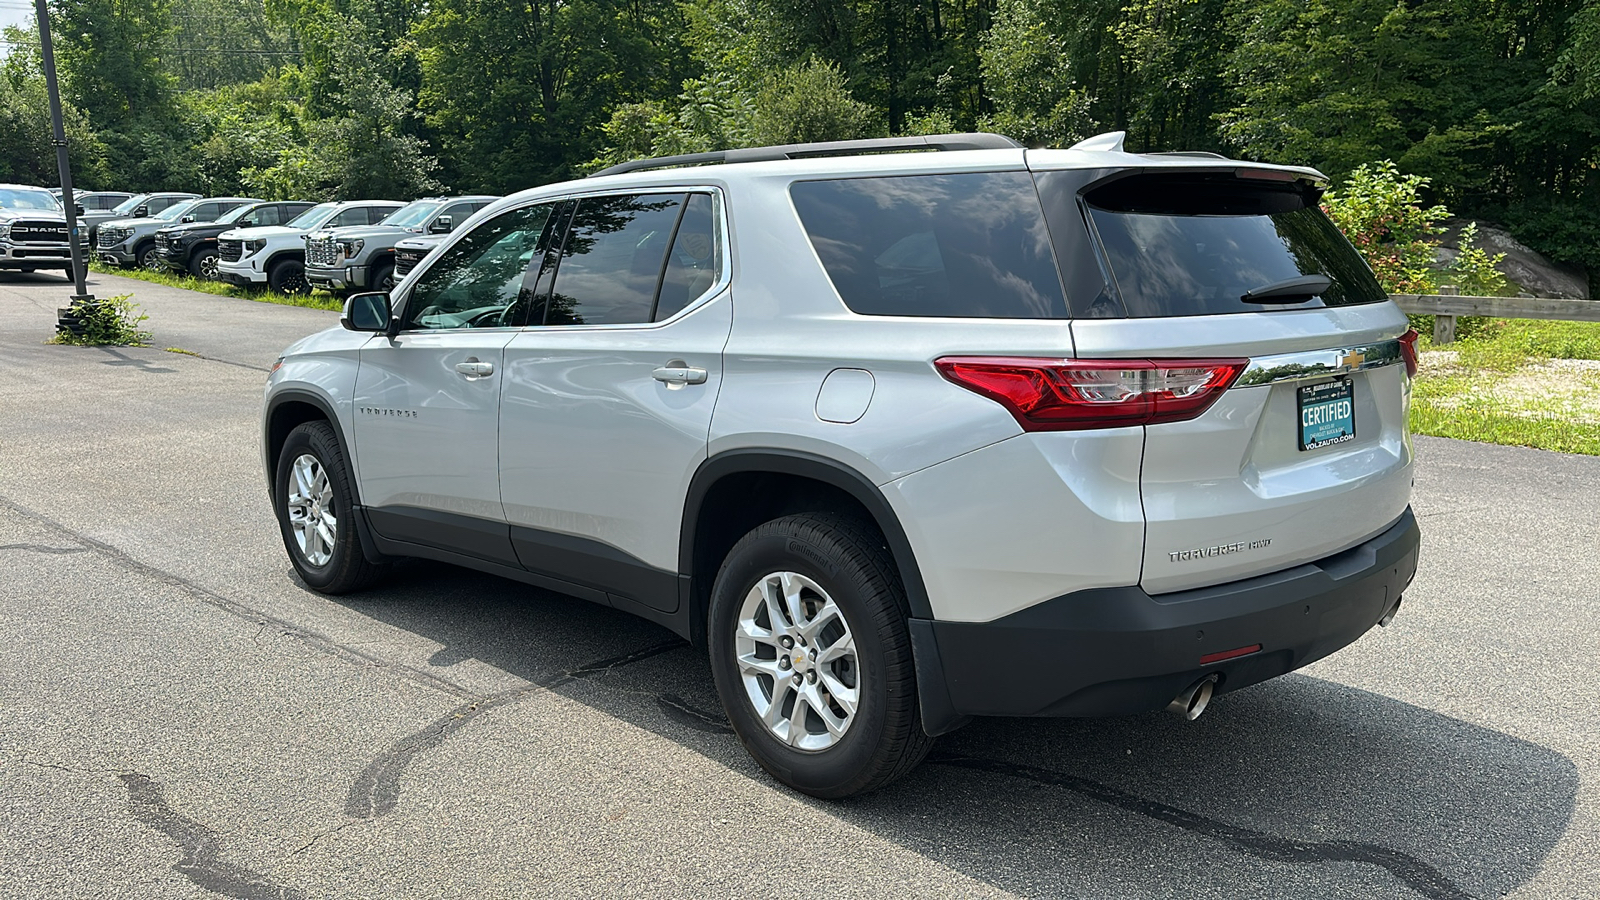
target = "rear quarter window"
x: 966, y: 245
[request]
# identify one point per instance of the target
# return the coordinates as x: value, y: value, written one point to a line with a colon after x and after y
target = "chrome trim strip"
x: 1315, y: 364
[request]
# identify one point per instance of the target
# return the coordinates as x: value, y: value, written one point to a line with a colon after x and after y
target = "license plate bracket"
x: 1326, y: 413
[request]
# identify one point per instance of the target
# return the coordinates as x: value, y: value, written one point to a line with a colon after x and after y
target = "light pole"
x: 68, y: 196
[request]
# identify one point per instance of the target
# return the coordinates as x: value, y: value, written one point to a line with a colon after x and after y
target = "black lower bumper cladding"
x: 1118, y: 651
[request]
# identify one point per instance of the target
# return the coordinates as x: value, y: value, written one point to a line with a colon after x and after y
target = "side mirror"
x: 366, y: 312
x: 186, y: 220
x: 141, y: 212
x: 78, y: 207
x: 442, y: 225
x: 245, y: 223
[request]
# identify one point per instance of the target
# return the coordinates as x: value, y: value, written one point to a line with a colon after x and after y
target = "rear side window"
x: 693, y: 264
x: 1189, y: 245
x: 611, y: 263
x: 969, y: 245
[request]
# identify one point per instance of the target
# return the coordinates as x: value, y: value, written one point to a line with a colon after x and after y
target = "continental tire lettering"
x: 811, y: 553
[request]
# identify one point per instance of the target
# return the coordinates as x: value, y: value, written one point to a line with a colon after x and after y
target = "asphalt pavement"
x: 178, y: 718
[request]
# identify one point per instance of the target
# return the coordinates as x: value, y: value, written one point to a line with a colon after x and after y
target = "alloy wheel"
x: 311, y: 514
x: 797, y: 661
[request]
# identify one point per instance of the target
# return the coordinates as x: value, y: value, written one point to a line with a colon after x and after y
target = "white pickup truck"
x: 275, y: 255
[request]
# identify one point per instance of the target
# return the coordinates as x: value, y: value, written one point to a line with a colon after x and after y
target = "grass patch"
x: 313, y: 300
x: 1521, y: 382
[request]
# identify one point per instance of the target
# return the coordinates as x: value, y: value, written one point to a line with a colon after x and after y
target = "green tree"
x: 526, y: 105
x: 27, y: 155
x: 1027, y: 71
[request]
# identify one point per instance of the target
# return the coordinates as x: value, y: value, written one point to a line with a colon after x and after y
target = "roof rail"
x: 1205, y: 154
x: 974, y: 141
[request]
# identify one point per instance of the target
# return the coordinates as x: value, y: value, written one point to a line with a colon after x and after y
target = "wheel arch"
x: 289, y: 409
x: 709, y: 531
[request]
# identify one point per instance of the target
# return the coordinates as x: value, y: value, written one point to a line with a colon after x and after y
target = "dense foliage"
x: 1496, y: 106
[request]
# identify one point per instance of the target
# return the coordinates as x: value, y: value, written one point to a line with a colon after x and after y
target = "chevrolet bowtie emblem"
x: 1353, y: 360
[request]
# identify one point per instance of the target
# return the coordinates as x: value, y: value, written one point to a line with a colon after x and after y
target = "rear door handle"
x: 472, y: 368
x: 679, y: 372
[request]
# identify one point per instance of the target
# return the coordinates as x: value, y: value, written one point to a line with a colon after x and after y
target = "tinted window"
x: 376, y: 214
x: 611, y: 261
x: 311, y: 217
x: 934, y: 245
x: 695, y: 259
x: 479, y: 281
x: 1184, y: 245
x: 161, y: 203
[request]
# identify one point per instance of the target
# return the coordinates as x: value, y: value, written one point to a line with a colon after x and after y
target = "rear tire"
x: 315, y: 501
x: 835, y: 585
x: 288, y: 276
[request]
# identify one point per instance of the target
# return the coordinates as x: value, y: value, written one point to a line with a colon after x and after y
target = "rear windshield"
x: 970, y: 245
x: 1187, y: 244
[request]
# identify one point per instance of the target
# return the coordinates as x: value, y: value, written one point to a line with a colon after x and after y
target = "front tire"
x: 383, y: 277
x: 812, y: 657
x: 288, y: 276
x: 204, y: 265
x: 315, y: 502
x: 146, y: 257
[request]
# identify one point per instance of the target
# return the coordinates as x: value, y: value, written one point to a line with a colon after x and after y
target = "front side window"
x: 966, y: 245
x: 480, y: 281
x: 612, y: 260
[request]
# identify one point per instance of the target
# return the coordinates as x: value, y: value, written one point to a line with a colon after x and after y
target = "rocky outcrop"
x: 1527, y: 270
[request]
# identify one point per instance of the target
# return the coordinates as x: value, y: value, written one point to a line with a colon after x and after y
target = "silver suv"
x: 898, y: 438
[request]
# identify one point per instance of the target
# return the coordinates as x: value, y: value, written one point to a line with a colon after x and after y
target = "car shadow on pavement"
x: 1290, y: 784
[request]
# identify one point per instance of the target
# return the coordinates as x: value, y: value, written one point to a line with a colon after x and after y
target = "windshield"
x: 127, y: 206
x: 414, y: 213
x: 176, y: 211
x: 23, y: 198
x: 313, y: 217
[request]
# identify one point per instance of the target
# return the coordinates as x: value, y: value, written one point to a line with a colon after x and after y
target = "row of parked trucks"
x: 288, y: 246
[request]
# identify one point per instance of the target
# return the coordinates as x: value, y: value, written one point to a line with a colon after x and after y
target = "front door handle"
x: 472, y: 368
x: 678, y: 372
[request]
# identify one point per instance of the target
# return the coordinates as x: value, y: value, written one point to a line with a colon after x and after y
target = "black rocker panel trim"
x: 591, y: 569
x: 817, y: 468
x: 468, y: 535
x: 592, y: 562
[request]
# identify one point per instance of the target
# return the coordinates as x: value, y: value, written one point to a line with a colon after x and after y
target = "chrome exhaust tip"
x: 1194, y: 699
x: 1389, y: 616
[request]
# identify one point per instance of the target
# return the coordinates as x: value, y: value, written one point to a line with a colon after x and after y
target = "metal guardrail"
x: 1446, y: 307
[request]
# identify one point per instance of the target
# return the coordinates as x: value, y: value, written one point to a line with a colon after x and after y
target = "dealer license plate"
x: 1327, y: 414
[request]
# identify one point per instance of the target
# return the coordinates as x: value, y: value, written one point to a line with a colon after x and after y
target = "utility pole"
x: 69, y: 198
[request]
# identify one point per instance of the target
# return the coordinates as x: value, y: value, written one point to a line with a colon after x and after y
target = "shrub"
x: 113, y: 321
x: 1380, y: 211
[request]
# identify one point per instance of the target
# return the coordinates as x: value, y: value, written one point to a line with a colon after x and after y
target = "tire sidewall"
x: 198, y: 268
x: 281, y: 272
x: 821, y: 772
x: 307, y: 439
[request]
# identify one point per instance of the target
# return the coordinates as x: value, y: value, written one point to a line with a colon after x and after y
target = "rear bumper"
x: 1118, y: 651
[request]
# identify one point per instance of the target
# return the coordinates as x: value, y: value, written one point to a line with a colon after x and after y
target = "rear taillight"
x: 1073, y: 394
x: 1408, y: 349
